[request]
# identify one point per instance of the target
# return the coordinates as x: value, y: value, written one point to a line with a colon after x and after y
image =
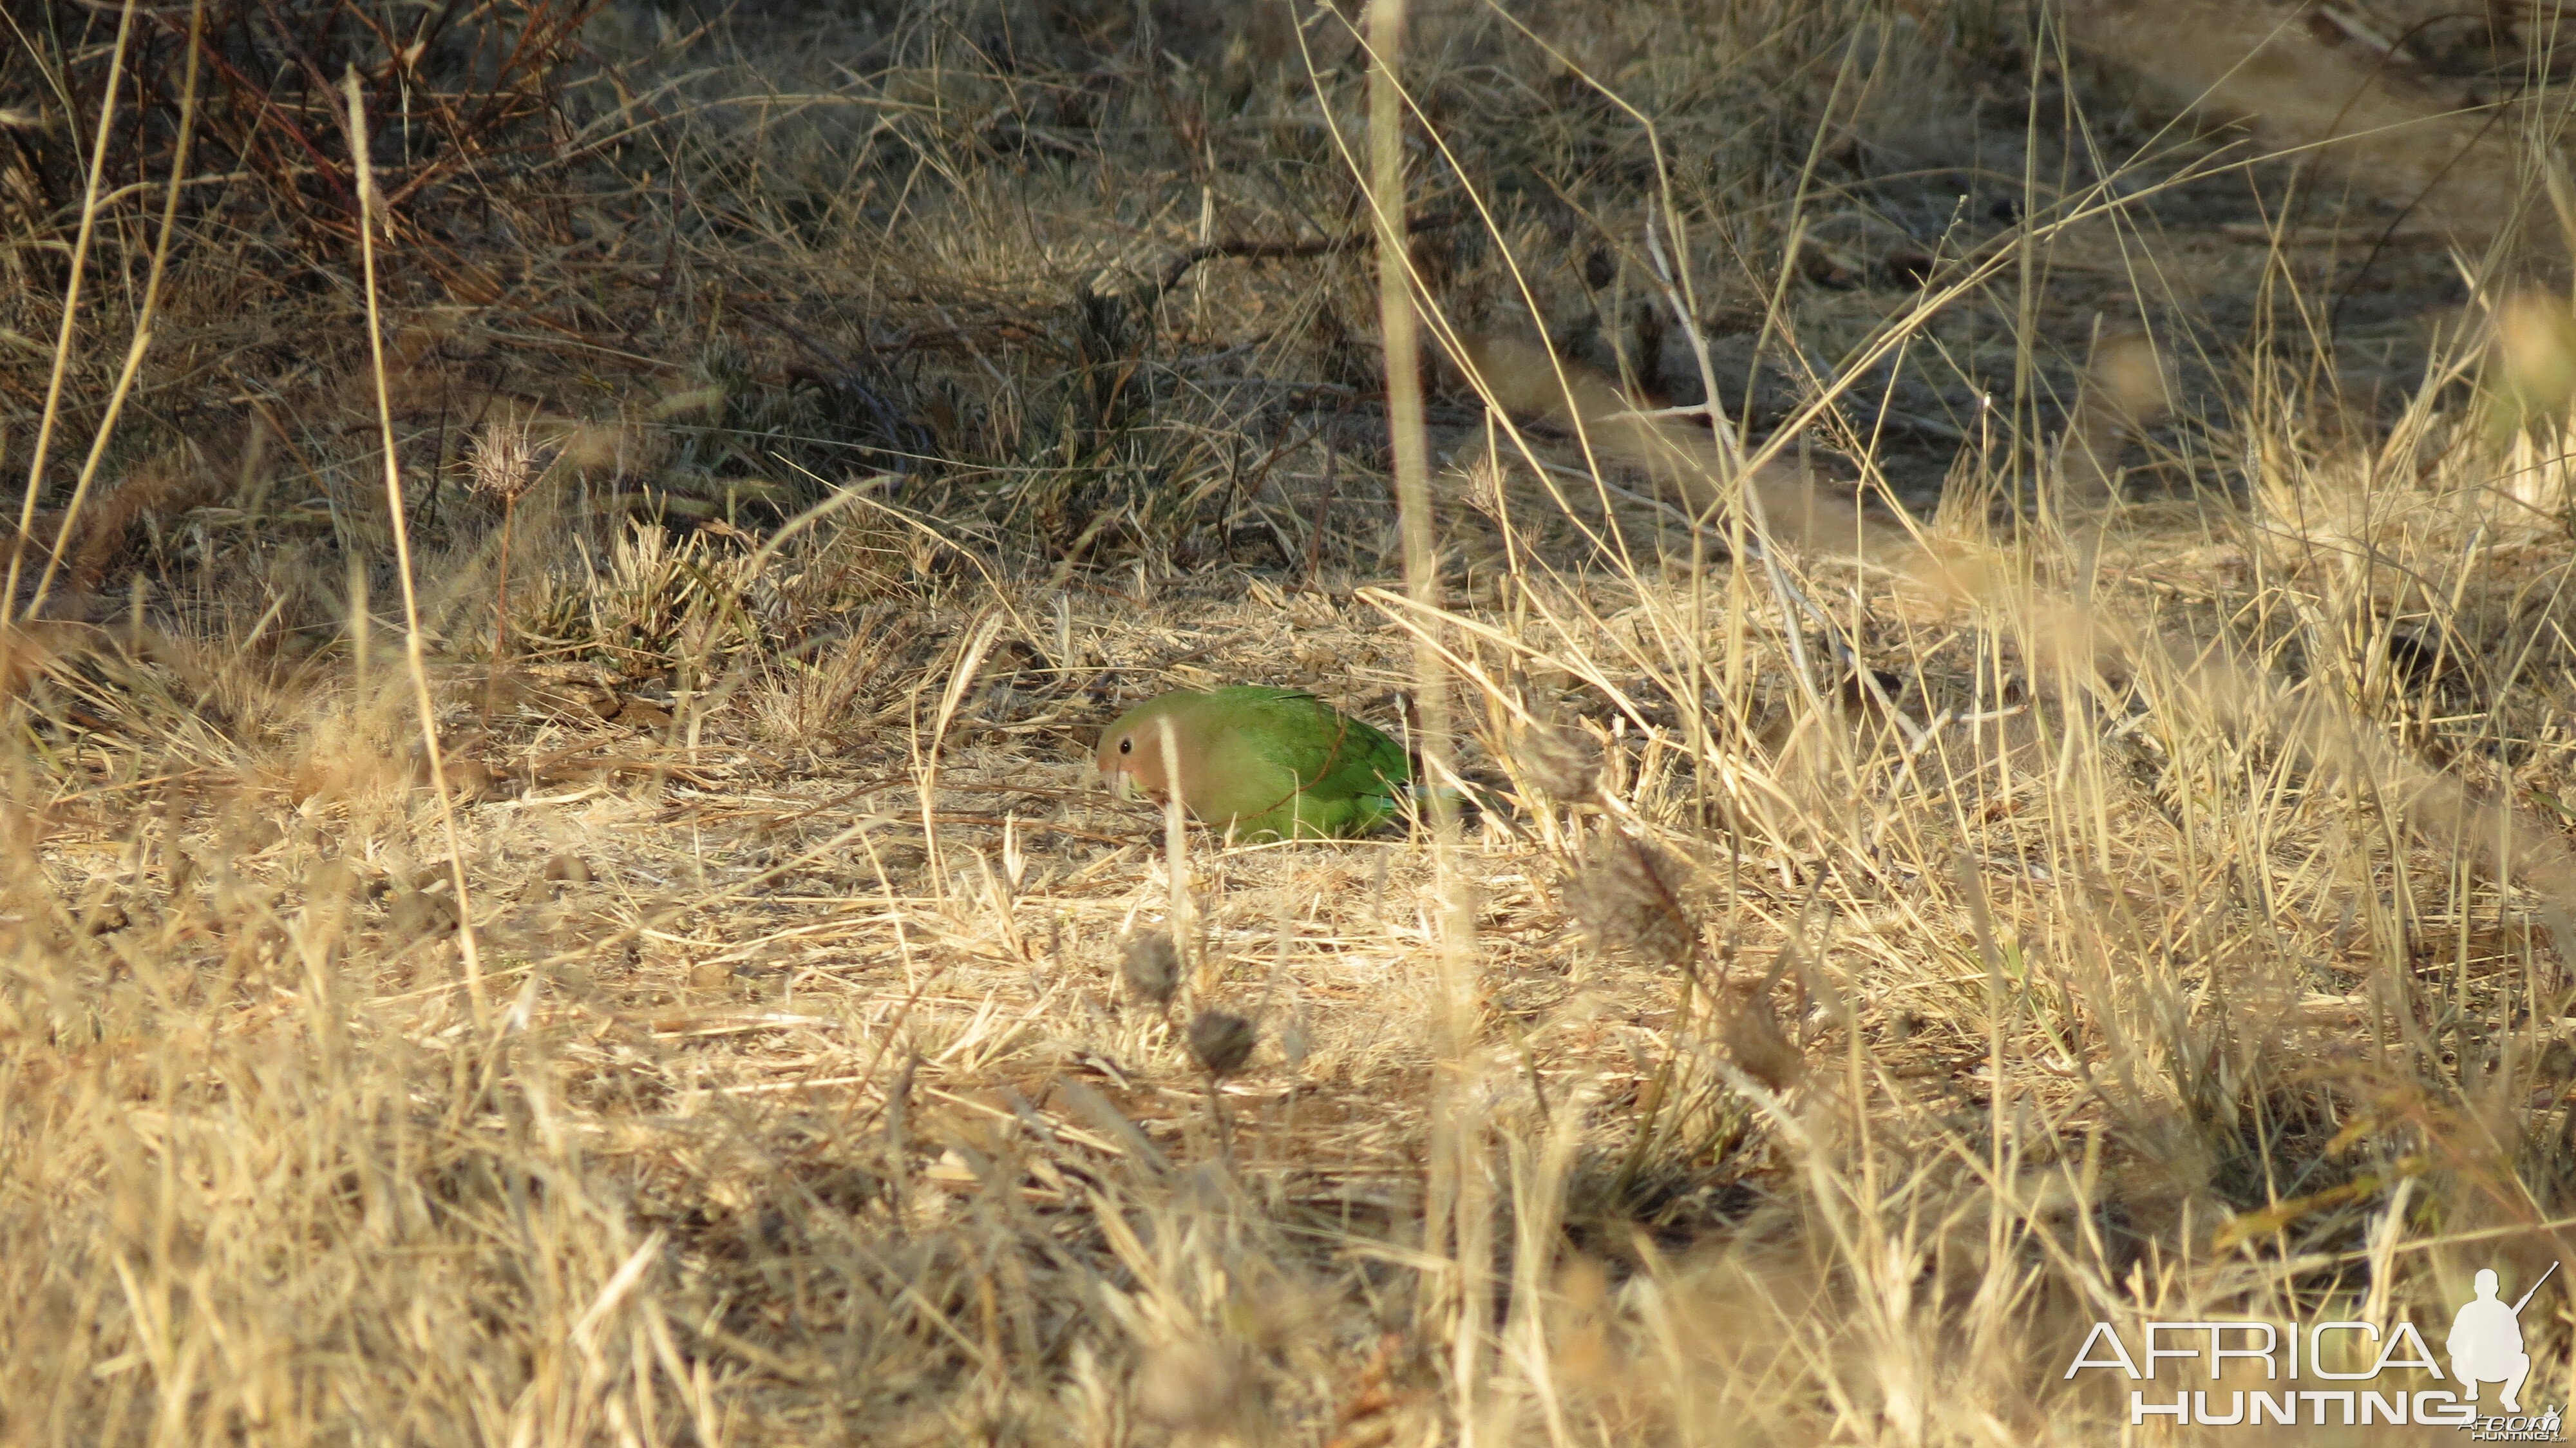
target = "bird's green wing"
x: 1340, y: 776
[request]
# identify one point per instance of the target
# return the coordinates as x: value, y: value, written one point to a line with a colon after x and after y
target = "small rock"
x: 418, y: 914
x: 711, y: 975
x: 2556, y: 1064
x: 469, y: 780
x: 330, y: 879
x: 559, y: 870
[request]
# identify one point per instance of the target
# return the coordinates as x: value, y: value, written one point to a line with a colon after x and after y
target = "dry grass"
x: 2081, y: 834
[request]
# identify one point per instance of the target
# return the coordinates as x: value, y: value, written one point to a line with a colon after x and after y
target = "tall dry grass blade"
x: 423, y: 699
x: 143, y: 318
x: 1458, y: 1223
x: 970, y: 663
x: 70, y: 327
x: 1181, y: 918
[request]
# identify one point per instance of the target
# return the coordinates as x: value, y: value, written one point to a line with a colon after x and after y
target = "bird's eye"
x: 1126, y: 746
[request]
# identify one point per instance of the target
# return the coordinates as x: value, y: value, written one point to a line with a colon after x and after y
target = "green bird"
x: 1266, y: 763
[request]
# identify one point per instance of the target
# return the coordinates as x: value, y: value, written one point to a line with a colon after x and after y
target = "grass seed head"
x: 1560, y: 761
x: 2535, y: 351
x: 1151, y: 964
x: 1221, y: 1041
x: 1633, y: 897
x: 1297, y: 1039
x: 1761, y: 1048
x: 503, y: 463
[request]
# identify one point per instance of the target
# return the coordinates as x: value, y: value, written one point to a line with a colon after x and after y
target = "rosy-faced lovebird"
x: 1266, y: 763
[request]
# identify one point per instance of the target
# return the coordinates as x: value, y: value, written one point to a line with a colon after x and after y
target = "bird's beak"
x: 1122, y: 784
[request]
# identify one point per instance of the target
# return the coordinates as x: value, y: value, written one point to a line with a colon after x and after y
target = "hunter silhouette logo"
x: 2486, y: 1341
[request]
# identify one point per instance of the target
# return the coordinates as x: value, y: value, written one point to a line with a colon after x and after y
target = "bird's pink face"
x: 1131, y: 758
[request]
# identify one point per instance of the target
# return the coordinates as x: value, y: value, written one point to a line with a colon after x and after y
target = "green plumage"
x: 1268, y: 763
